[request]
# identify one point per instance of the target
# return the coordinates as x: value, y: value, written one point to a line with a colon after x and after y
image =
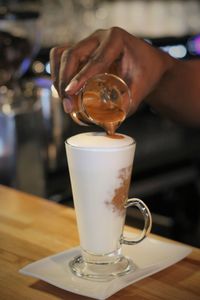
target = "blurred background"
x: 33, y: 126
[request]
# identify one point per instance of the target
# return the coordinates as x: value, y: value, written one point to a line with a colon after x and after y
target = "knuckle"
x: 68, y: 54
x: 116, y: 32
x: 115, y: 29
x: 98, y: 31
x: 99, y: 35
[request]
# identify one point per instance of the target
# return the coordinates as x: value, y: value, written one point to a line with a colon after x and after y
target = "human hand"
x: 114, y: 50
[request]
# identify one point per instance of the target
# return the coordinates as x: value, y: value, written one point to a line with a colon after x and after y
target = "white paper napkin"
x: 149, y: 256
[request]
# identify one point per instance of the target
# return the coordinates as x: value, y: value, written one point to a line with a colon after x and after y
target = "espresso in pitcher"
x: 104, y: 101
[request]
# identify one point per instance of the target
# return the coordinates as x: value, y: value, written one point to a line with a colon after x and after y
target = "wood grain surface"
x: 32, y: 228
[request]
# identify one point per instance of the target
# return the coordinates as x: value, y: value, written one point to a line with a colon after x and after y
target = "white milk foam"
x: 99, y: 140
x: 95, y: 162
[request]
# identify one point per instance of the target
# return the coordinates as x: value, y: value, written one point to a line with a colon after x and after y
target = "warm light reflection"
x: 38, y: 67
x: 54, y: 92
x: 6, y: 108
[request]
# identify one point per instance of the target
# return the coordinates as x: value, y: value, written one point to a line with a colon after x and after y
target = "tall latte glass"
x: 100, y: 170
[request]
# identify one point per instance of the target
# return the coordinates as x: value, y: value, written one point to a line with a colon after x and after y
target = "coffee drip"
x: 104, y: 101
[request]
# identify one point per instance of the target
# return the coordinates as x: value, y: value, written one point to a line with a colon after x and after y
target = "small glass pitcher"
x: 104, y: 100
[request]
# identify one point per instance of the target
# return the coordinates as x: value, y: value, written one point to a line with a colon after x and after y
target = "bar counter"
x: 32, y: 228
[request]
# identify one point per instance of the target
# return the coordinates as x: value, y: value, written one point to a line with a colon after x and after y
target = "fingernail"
x: 67, y: 105
x: 71, y: 86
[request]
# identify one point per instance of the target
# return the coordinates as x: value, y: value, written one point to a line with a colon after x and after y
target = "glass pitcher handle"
x: 147, y: 221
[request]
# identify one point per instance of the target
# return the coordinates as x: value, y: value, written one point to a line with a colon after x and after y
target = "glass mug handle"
x: 147, y: 221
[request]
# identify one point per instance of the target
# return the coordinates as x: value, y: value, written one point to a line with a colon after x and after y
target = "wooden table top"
x: 32, y: 228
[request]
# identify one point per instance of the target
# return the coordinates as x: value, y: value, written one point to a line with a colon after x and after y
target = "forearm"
x: 177, y: 94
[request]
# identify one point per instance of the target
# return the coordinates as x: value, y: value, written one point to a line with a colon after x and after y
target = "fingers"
x: 71, y: 67
x: 55, y: 57
x: 74, y: 58
x: 99, y: 61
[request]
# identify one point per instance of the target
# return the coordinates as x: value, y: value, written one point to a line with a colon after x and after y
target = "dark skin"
x: 170, y: 86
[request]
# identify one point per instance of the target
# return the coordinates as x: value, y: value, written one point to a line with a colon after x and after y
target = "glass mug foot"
x: 102, y: 271
x: 109, y: 266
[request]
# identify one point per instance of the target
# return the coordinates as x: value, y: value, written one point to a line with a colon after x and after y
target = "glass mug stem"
x: 147, y: 221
